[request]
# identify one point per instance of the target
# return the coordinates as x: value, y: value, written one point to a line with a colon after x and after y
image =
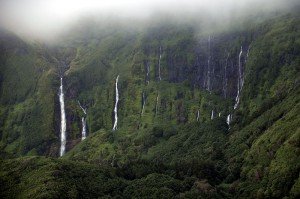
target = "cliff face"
x: 176, y: 89
x: 179, y: 77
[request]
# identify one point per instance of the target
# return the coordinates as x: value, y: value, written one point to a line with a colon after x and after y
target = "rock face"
x: 214, y: 65
x: 204, y: 65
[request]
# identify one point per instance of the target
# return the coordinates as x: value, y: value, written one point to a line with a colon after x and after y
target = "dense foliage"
x: 168, y: 144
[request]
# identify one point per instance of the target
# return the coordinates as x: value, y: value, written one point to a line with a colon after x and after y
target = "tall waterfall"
x: 240, y: 81
x: 63, y: 125
x: 225, y: 79
x: 198, y: 115
x: 143, y: 103
x: 83, y: 122
x: 208, y: 83
x: 212, y: 115
x: 83, y: 133
x: 159, y: 60
x: 116, y: 106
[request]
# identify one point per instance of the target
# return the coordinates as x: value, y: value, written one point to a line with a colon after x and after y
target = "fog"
x: 47, y: 19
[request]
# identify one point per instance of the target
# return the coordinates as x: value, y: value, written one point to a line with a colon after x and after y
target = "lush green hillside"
x: 264, y: 145
x: 38, y: 177
x: 27, y: 97
x: 177, y: 86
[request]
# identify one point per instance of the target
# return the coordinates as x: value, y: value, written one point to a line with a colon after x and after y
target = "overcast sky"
x: 37, y: 18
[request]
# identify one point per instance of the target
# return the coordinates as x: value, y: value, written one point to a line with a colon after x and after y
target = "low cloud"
x: 45, y: 19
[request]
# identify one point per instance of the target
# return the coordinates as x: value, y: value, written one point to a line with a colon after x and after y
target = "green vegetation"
x: 163, y: 150
x: 27, y: 99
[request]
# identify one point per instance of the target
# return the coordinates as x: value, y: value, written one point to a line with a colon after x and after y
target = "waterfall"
x: 159, y: 60
x: 212, y: 115
x: 63, y: 125
x: 116, y: 105
x: 220, y: 114
x: 208, y: 83
x: 198, y: 115
x: 143, y: 103
x: 248, y: 51
x: 225, y: 80
x: 156, y: 105
x: 228, y: 120
x: 240, y: 81
x: 83, y: 109
x: 210, y: 71
x: 83, y: 121
x: 147, y: 73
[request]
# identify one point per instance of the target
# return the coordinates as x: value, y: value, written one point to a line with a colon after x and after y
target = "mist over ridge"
x: 46, y: 20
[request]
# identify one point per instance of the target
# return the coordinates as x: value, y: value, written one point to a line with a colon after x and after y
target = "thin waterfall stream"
x: 115, y: 127
x: 63, y: 125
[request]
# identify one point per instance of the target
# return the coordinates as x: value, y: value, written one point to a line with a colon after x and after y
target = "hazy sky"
x: 46, y: 18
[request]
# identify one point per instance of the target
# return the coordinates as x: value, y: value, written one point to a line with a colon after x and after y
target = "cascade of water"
x: 228, y: 120
x: 159, y: 60
x: 143, y: 103
x: 198, y: 115
x: 156, y: 105
x: 116, y: 105
x: 83, y: 121
x: 225, y: 80
x: 248, y: 51
x: 147, y: 73
x: 212, y: 115
x: 208, y: 83
x: 240, y: 81
x: 219, y: 114
x: 63, y: 125
x: 83, y: 109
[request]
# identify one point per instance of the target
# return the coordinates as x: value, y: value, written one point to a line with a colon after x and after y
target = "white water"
x: 83, y: 122
x: 143, y: 103
x: 63, y: 125
x: 159, y: 77
x: 83, y: 109
x: 240, y: 81
x: 83, y: 133
x: 198, y: 115
x: 212, y: 115
x: 219, y: 114
x: 228, y: 120
x: 115, y: 127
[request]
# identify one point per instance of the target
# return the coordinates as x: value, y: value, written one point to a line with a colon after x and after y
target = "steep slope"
x: 27, y: 97
x: 264, y: 145
x: 264, y: 125
x: 29, y: 83
x: 177, y: 87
